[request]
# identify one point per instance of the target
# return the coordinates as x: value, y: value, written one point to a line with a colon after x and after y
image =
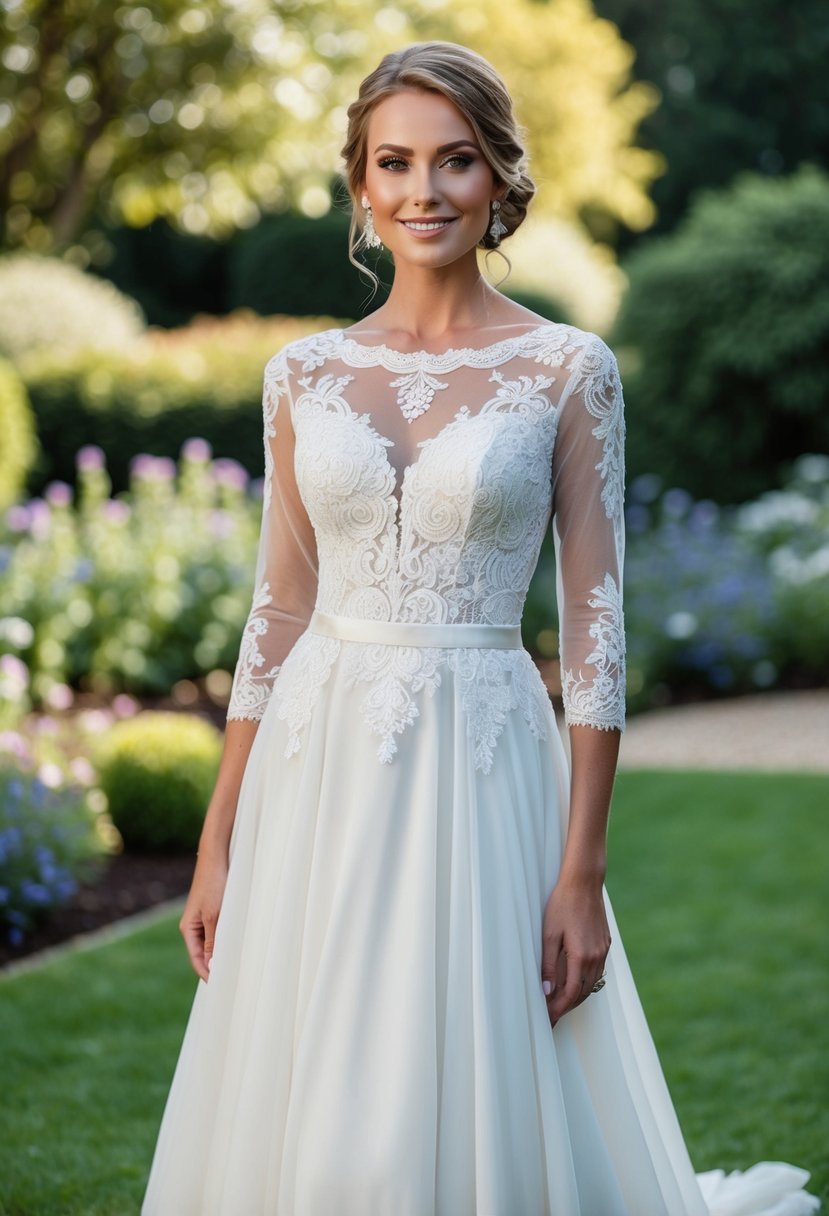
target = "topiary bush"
x: 48, y: 304
x: 205, y: 379
x: 157, y: 771
x: 48, y: 844
x: 18, y: 447
x: 727, y: 321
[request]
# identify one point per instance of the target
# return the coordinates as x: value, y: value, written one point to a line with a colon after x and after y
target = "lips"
x: 436, y: 224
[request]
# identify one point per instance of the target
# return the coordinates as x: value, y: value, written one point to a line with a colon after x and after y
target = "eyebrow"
x: 458, y: 143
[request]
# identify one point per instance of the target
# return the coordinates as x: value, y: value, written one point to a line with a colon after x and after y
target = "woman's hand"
x: 575, y: 942
x: 201, y: 912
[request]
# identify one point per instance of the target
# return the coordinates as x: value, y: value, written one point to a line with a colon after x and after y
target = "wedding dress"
x: 374, y: 1039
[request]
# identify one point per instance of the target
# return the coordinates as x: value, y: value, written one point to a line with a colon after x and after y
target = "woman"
x: 410, y: 1002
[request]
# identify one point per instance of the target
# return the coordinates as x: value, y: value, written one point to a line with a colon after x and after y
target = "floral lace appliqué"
x: 416, y: 392
x: 252, y: 686
x: 493, y: 683
x: 600, y: 702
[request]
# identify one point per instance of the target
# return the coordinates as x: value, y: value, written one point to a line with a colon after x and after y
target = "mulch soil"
x: 128, y: 883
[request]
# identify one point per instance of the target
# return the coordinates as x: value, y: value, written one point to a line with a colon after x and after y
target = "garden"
x: 159, y: 242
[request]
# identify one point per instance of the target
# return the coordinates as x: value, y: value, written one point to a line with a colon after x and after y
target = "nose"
x: 424, y: 194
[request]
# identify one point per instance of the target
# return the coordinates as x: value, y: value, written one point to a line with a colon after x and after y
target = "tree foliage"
x: 211, y: 113
x: 743, y: 86
x: 729, y: 321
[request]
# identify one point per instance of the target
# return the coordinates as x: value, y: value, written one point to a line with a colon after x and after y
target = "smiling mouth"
x: 428, y: 225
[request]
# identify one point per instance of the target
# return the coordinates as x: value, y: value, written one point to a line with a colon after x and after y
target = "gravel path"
x: 786, y: 731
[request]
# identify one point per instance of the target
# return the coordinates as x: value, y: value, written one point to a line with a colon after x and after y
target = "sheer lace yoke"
x: 416, y: 487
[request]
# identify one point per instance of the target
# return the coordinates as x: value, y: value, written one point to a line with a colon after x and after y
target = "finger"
x: 560, y: 981
x: 193, y: 935
x: 549, y: 965
x: 570, y: 992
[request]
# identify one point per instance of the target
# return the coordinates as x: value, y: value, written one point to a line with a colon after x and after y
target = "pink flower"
x: 59, y: 696
x: 90, y: 458
x: 196, y: 449
x: 124, y: 706
x: 58, y: 494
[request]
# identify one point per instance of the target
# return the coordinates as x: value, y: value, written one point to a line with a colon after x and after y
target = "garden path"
x: 774, y: 731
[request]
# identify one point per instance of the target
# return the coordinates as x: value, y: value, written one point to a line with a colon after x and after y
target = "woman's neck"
x: 431, y: 304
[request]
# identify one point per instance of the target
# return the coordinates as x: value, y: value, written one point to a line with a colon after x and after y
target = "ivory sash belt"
x: 410, y: 633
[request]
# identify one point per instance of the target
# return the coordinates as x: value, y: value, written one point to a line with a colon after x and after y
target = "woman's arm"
x: 284, y: 595
x: 588, y: 529
x: 201, y: 912
x: 576, y: 937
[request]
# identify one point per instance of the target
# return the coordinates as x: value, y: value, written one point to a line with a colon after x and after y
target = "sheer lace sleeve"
x: 588, y: 531
x: 285, y: 584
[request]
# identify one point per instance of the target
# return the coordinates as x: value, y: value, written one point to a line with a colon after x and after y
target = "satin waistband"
x: 412, y: 633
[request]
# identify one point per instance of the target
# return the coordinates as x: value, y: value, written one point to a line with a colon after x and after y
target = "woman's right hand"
x: 201, y: 911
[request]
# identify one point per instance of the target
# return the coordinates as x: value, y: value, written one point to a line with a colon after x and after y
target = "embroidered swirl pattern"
x: 457, y: 540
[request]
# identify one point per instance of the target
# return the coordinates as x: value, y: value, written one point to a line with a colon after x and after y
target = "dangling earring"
x: 497, y: 228
x: 369, y: 231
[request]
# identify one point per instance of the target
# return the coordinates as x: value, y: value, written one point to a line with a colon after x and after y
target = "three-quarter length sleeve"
x: 285, y: 585
x: 588, y: 532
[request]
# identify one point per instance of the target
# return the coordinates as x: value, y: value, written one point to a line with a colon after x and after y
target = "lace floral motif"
x: 601, y: 701
x: 251, y: 686
x: 596, y: 377
x: 493, y: 684
x: 452, y: 537
x: 417, y: 392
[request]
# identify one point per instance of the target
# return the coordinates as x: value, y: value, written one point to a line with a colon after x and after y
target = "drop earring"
x: 369, y: 231
x: 497, y: 228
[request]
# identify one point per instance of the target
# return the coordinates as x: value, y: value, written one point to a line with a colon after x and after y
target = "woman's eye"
x: 389, y: 162
x: 458, y: 161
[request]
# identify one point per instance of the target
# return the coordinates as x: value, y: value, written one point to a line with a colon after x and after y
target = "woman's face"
x: 428, y: 183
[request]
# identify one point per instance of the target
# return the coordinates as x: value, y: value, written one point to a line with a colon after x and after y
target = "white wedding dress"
x: 374, y: 1039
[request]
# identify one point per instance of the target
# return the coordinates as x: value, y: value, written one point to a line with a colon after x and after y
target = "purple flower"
x: 156, y: 468
x: 40, y: 518
x: 18, y: 519
x: 164, y: 468
x: 142, y: 464
x: 230, y: 473
x: 14, y: 935
x: 196, y: 449
x: 35, y: 893
x: 58, y: 494
x: 116, y: 511
x: 90, y: 458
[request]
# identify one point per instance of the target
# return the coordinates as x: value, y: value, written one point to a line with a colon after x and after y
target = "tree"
x: 743, y: 85
x: 212, y: 113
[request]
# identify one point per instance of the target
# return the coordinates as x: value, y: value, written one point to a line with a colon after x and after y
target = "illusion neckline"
x: 453, y: 354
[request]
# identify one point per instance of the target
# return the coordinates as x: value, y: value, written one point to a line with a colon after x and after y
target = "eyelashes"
x: 460, y: 161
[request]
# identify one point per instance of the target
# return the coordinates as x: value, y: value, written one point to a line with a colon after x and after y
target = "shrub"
x: 47, y: 303
x: 18, y: 448
x: 727, y: 321
x: 130, y: 593
x: 157, y: 771
x: 48, y: 844
x: 292, y: 264
x: 203, y: 380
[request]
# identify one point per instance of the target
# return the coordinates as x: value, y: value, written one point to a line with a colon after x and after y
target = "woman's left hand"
x: 575, y: 942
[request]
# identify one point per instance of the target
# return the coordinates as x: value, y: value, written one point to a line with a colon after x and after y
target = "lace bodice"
x: 418, y: 488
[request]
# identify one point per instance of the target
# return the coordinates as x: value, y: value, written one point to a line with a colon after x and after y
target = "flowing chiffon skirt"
x: 374, y: 1039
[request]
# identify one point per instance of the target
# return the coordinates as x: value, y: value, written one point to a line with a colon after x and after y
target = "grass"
x: 717, y: 882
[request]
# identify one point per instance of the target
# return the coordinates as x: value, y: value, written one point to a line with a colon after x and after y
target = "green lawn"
x: 717, y: 882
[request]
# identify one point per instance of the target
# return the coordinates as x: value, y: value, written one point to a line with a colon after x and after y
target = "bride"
x: 413, y: 997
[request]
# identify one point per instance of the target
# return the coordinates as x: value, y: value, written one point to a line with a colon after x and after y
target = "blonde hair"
x: 471, y: 83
